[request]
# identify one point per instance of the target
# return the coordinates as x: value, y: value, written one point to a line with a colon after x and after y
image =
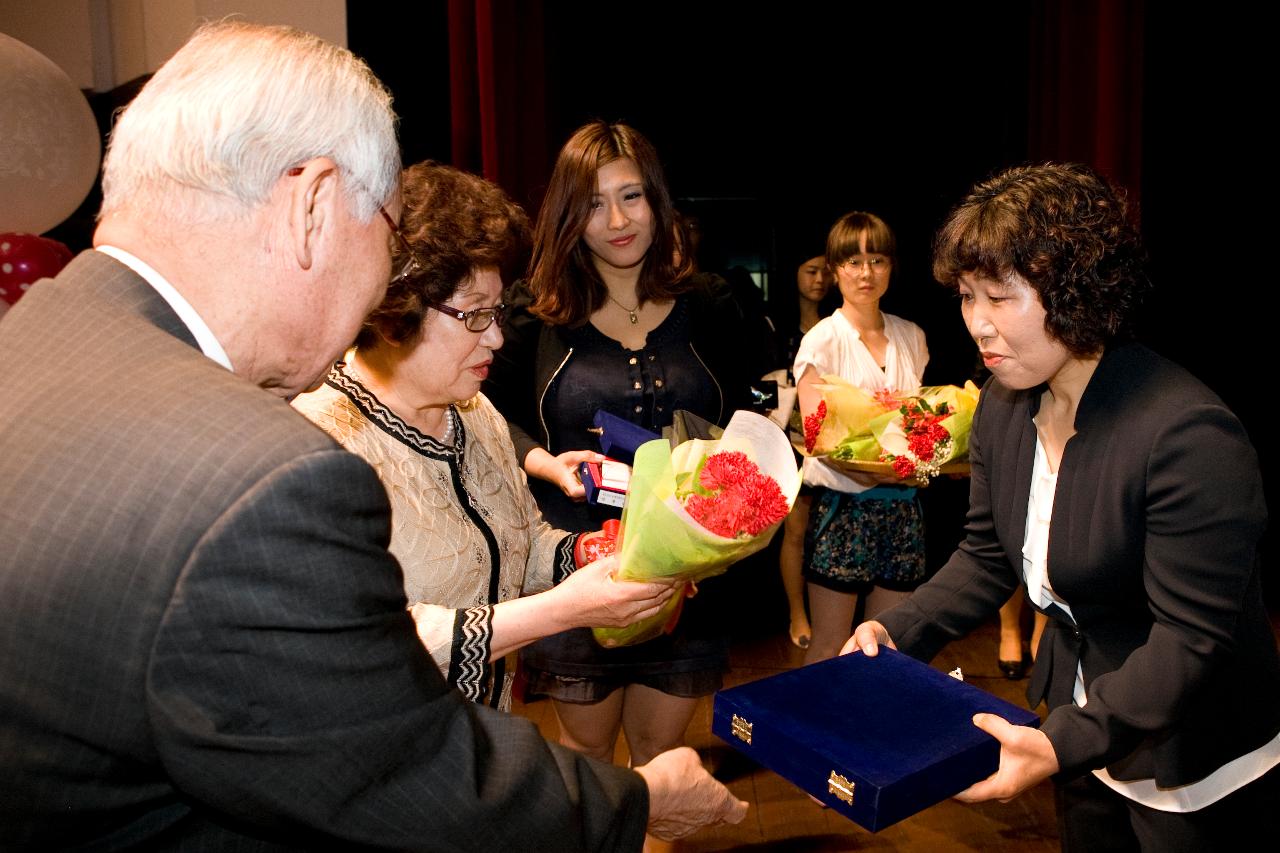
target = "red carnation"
x: 923, y: 440
x: 904, y: 467
x: 746, y: 501
x: 725, y: 469
x: 812, y: 425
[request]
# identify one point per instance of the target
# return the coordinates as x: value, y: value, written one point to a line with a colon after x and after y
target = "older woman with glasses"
x: 466, y: 530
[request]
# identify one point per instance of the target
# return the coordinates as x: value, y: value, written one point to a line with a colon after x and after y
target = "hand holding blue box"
x: 877, y: 739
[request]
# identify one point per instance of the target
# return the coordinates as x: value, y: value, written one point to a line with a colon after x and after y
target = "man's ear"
x: 312, y: 193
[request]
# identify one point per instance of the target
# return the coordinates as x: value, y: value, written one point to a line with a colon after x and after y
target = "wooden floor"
x: 783, y: 818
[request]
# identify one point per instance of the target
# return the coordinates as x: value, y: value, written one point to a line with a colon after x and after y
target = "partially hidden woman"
x: 465, y: 529
x: 813, y: 282
x: 864, y: 537
x: 611, y: 318
x: 1128, y: 499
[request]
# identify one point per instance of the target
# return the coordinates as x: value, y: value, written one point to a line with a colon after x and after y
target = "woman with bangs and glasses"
x: 865, y: 536
x: 469, y: 538
x: 612, y: 317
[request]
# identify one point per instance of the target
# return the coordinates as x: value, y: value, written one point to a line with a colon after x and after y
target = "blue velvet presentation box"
x: 876, y: 739
x: 619, y: 438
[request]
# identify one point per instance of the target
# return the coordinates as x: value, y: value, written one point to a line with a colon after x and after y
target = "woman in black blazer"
x: 1128, y: 498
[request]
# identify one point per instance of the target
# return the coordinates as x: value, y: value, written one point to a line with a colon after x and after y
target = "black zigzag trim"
x: 469, y: 661
x: 391, y: 423
x: 565, y: 565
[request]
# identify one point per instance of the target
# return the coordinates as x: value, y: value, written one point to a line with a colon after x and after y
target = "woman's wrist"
x: 541, y: 464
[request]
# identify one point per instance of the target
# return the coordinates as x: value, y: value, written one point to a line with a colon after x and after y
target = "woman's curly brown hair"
x: 456, y: 224
x: 1064, y: 230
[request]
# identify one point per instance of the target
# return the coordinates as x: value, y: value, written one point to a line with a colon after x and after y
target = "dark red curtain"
x: 1086, y: 85
x: 497, y: 88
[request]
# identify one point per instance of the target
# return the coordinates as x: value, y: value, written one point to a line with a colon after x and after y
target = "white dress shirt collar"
x: 199, y: 329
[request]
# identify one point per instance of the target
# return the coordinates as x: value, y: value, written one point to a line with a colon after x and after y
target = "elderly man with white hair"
x: 205, y: 643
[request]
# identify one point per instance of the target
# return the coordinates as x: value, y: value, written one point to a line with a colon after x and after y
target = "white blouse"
x: 833, y: 346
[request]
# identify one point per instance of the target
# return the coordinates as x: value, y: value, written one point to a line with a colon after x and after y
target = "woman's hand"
x: 1026, y: 759
x: 588, y: 598
x: 594, y: 599
x: 869, y: 637
x: 561, y: 470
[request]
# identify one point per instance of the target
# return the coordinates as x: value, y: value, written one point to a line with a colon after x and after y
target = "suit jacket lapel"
x: 1022, y: 447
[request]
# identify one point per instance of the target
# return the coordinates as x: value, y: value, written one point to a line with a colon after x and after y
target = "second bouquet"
x: 912, y: 434
x: 693, y: 511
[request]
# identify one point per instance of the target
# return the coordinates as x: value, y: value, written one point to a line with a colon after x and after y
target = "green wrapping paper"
x: 659, y: 539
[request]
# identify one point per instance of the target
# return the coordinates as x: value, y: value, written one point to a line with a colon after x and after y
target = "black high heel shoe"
x: 1014, y: 670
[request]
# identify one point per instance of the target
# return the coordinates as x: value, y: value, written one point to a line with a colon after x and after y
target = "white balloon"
x: 49, y: 142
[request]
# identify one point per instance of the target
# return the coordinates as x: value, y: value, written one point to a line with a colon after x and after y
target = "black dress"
x: 568, y: 375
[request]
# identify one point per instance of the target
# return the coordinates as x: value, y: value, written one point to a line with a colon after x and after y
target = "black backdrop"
x: 773, y: 122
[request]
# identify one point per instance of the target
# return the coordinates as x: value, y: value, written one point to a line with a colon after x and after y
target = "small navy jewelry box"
x: 877, y: 739
x: 619, y: 438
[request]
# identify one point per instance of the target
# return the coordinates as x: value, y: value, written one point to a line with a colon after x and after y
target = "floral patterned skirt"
x: 872, y: 538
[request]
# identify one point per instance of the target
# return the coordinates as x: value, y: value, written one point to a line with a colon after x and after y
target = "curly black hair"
x: 1064, y: 230
x: 456, y: 224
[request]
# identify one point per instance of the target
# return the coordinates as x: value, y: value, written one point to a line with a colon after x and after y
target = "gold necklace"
x: 631, y: 312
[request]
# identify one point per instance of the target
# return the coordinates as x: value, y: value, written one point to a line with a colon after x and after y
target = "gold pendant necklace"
x: 631, y: 312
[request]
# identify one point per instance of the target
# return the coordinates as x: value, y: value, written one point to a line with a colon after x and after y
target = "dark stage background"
x: 771, y: 123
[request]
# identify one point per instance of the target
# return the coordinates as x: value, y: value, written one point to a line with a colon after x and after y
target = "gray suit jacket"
x: 205, y: 643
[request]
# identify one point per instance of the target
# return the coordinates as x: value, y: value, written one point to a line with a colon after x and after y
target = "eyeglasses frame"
x: 495, y: 312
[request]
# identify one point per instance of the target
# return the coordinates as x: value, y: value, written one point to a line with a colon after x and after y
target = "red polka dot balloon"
x: 25, y: 259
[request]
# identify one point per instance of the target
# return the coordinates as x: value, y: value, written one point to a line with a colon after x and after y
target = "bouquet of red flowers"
x: 916, y: 433
x: 929, y: 443
x: 694, y: 510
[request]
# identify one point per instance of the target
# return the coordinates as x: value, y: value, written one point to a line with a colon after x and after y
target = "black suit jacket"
x: 1153, y: 541
x: 205, y: 643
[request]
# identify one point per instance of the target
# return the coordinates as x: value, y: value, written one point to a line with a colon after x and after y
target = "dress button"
x: 639, y: 409
x: 632, y: 360
x: 657, y: 383
x: 636, y: 386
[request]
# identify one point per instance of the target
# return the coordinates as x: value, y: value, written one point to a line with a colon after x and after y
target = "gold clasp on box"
x: 841, y: 787
x: 741, y: 729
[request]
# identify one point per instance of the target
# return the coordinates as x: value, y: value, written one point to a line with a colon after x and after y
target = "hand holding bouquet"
x: 693, y: 511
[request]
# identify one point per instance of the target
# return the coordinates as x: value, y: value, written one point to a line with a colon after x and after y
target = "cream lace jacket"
x: 464, y: 527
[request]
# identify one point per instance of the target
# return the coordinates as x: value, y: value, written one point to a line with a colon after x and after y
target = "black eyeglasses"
x: 476, y: 320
